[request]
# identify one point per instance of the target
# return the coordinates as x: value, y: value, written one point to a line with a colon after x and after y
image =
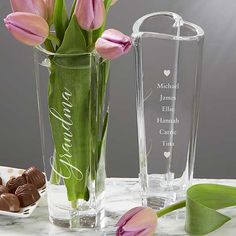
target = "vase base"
x: 162, y: 193
x: 87, y: 215
x: 60, y: 222
x: 81, y: 220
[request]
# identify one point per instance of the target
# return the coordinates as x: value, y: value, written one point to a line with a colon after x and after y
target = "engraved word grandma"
x: 67, y: 124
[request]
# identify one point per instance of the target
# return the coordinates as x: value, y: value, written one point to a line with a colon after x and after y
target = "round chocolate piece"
x: 9, y: 202
x: 0, y: 181
x: 27, y: 194
x: 14, y: 183
x: 35, y: 177
x: 3, y: 189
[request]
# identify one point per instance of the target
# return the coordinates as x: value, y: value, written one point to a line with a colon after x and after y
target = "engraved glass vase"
x: 73, y: 115
x: 168, y: 53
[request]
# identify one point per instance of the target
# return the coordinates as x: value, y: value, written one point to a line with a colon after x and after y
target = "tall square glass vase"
x: 73, y: 114
x: 168, y: 63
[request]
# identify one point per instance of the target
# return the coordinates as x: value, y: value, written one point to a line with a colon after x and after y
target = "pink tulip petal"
x: 84, y: 13
x: 128, y: 215
x: 116, y: 36
x: 113, y: 44
x: 121, y: 232
x: 144, y: 219
x: 37, y: 7
x: 99, y: 12
x: 130, y: 234
x: 29, y: 22
x: 90, y: 14
x: 139, y: 221
x: 108, y: 50
x: 147, y: 232
x: 23, y: 36
x: 50, y: 8
x: 28, y: 28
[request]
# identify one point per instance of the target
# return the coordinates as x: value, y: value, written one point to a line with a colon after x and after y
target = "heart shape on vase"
x: 166, y: 73
x: 167, y: 154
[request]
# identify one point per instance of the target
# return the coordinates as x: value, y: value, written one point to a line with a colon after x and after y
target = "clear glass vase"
x: 168, y: 63
x: 73, y: 113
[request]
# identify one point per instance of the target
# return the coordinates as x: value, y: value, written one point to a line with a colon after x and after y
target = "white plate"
x: 5, y: 174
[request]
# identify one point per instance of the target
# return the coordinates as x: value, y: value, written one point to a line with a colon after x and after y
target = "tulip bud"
x: 113, y: 2
x: 113, y: 44
x: 28, y: 28
x: 50, y: 8
x: 90, y: 14
x: 37, y: 7
x: 139, y: 221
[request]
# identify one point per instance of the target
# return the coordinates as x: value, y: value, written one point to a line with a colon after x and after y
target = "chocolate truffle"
x: 14, y: 183
x: 35, y: 177
x: 0, y: 181
x: 3, y: 189
x: 9, y: 202
x: 27, y: 194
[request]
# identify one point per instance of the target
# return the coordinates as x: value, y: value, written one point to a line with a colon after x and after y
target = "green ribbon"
x: 202, y: 203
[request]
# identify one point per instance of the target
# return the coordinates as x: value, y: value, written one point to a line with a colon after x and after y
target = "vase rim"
x: 49, y: 53
x: 179, y: 22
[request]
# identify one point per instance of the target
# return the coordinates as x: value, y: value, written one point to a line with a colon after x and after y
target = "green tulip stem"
x: 48, y: 45
x: 171, y: 208
x: 74, y: 204
x: 54, y: 178
x: 53, y: 38
x: 73, y: 9
x: 90, y: 40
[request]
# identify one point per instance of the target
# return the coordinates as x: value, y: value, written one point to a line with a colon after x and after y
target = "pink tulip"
x: 114, y: 2
x: 139, y: 221
x: 113, y: 44
x: 90, y: 14
x: 37, y: 7
x: 28, y: 28
x: 50, y: 8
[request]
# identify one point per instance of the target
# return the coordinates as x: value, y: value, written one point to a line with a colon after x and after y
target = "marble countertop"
x: 121, y: 195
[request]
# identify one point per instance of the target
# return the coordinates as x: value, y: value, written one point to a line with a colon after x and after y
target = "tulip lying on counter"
x: 202, y: 217
x: 139, y: 221
x: 28, y: 28
x: 90, y: 14
x: 113, y: 44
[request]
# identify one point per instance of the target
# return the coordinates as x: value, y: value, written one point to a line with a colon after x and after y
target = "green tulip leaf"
x: 107, y: 4
x: 72, y: 145
x: 202, y: 203
x: 74, y: 41
x: 60, y: 19
x: 73, y: 8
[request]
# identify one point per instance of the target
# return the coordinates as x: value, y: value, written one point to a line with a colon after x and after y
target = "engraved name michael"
x: 167, y: 86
